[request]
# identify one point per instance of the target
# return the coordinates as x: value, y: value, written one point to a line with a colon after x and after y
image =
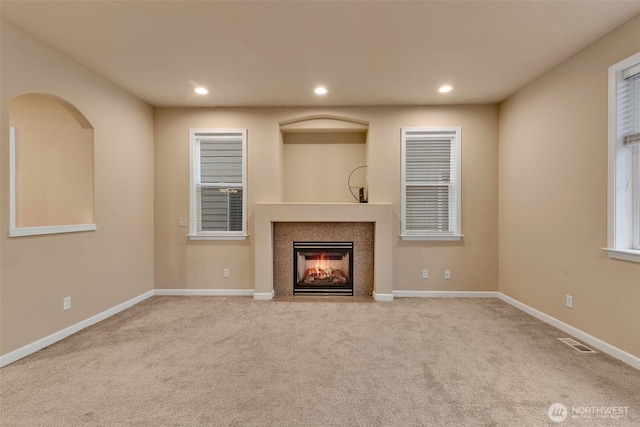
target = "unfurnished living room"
x: 319, y: 213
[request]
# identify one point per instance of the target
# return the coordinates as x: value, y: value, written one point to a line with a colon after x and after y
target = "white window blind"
x: 623, y: 207
x: 431, y: 184
x: 629, y: 128
x: 218, y: 182
x: 629, y: 106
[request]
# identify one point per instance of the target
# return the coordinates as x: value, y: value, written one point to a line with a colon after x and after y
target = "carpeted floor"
x: 233, y: 361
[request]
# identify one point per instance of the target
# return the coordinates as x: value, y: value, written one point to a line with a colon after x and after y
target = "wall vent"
x: 578, y: 346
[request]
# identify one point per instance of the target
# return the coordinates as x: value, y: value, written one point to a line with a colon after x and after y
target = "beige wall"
x: 54, y: 163
x: 553, y: 197
x: 100, y: 269
x: 185, y: 264
x: 316, y: 166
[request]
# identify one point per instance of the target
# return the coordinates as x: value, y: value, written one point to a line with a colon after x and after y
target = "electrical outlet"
x: 447, y: 274
x: 182, y: 222
x: 425, y: 274
x: 66, y: 303
x: 569, y: 301
x: 226, y: 272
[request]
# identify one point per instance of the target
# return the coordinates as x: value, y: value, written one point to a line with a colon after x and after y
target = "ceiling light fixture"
x: 201, y: 91
x: 445, y: 89
x: 320, y: 91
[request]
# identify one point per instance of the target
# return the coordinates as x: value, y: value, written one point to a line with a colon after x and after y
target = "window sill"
x: 54, y: 229
x: 432, y: 238
x: 632, y: 255
x: 218, y: 237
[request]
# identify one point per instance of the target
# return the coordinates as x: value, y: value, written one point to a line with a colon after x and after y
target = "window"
x: 431, y: 184
x: 218, y: 197
x: 623, y: 232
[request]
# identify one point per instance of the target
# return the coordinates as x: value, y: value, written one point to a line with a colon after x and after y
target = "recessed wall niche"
x: 319, y: 154
x: 52, y: 166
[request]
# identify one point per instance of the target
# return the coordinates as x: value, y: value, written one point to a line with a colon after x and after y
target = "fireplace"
x: 368, y: 225
x: 323, y: 268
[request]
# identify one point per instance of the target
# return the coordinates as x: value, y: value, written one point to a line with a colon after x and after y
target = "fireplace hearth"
x: 323, y: 268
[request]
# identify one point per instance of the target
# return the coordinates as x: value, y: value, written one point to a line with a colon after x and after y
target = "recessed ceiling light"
x: 201, y: 91
x: 320, y: 91
x: 445, y: 89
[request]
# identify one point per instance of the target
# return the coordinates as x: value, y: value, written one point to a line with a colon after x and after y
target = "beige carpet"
x: 233, y: 361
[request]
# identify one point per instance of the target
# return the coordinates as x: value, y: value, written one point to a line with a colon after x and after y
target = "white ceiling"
x: 273, y: 53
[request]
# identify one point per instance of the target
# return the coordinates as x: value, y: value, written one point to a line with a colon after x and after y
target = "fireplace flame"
x: 324, y: 271
x: 321, y: 267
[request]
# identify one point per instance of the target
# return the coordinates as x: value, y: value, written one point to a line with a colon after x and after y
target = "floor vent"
x: 578, y: 346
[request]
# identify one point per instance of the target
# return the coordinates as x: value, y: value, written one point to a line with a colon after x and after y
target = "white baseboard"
x: 205, y: 292
x: 264, y: 295
x: 607, y: 348
x: 445, y: 294
x: 383, y: 297
x: 60, y: 335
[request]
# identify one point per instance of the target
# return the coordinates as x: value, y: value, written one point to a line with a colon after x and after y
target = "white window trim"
x: 15, y: 231
x: 53, y: 229
x: 620, y: 221
x: 194, y: 234
x: 456, y: 132
x: 636, y: 200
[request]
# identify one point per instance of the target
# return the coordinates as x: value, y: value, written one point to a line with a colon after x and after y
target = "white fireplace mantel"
x: 265, y: 214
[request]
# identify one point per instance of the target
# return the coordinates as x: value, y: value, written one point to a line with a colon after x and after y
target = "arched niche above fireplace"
x: 324, y: 123
x: 319, y: 153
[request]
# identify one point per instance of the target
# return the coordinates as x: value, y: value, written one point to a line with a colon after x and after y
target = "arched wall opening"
x: 52, y: 168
